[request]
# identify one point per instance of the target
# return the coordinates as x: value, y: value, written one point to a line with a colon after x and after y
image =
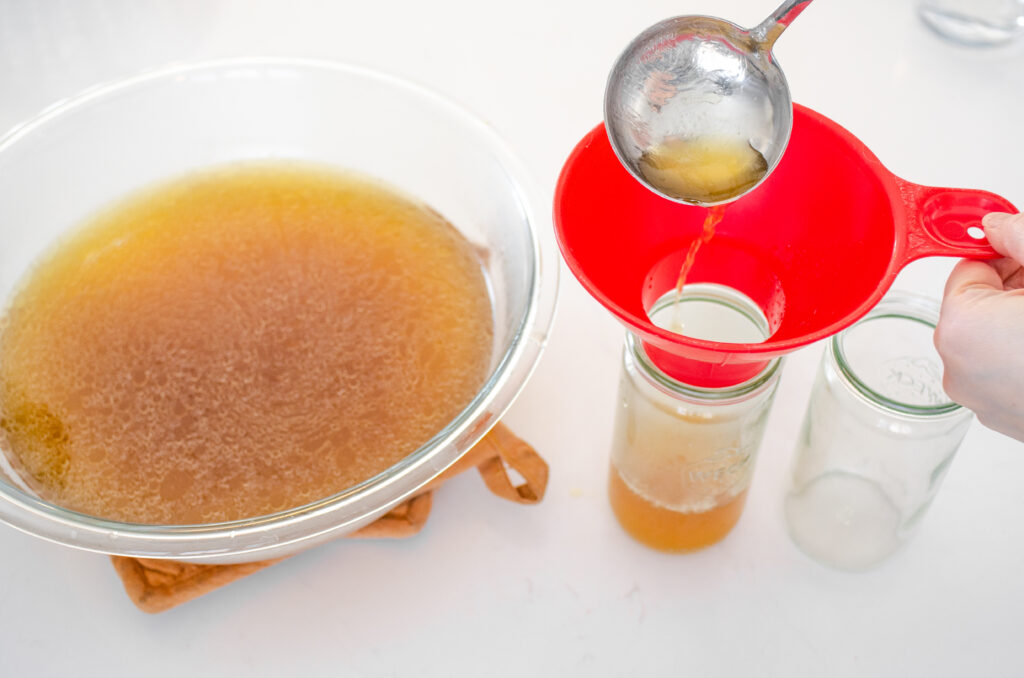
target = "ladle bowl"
x: 700, y: 77
x: 816, y: 246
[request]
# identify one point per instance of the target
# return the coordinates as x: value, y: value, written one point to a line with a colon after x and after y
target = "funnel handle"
x: 947, y: 221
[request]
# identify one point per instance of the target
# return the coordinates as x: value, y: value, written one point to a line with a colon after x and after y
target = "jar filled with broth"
x: 683, y: 455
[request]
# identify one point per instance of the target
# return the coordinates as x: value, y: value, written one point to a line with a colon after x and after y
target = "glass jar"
x: 877, y: 439
x: 974, y: 22
x: 682, y: 456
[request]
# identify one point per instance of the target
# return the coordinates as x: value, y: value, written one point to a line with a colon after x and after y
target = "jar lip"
x: 721, y: 295
x: 901, y: 306
x: 759, y: 382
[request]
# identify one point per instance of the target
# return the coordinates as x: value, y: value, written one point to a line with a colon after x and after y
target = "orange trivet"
x: 156, y: 585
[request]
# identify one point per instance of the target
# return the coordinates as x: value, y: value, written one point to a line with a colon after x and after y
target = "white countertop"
x: 495, y: 589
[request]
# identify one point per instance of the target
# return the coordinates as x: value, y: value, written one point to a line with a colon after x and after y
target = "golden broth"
x: 239, y: 342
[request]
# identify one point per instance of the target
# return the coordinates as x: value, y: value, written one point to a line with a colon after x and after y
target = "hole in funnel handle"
x: 947, y: 221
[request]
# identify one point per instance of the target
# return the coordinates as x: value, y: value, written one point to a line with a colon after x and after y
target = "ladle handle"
x: 769, y: 30
x: 947, y: 221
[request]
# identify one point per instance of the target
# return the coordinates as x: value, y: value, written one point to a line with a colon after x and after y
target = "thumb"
x: 973, y: 277
x: 1006, y: 234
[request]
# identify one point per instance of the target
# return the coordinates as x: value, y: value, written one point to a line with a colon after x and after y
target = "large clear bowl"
x: 81, y: 154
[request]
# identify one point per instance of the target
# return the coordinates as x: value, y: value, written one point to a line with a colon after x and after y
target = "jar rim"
x: 901, y: 306
x: 731, y: 299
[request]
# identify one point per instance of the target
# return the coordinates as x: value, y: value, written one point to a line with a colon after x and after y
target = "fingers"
x: 957, y: 326
x: 1008, y: 269
x: 1006, y: 234
x: 973, y: 277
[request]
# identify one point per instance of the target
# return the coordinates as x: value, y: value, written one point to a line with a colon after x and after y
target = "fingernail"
x: 995, y: 219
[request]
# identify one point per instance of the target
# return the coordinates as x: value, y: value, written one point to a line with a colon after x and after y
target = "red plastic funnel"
x: 815, y: 246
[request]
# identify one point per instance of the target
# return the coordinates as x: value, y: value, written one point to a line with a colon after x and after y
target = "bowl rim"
x: 285, y: 531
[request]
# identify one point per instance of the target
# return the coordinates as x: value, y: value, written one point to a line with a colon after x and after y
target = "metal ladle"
x: 696, y: 77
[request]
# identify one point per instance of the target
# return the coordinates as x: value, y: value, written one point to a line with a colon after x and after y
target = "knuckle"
x: 952, y: 387
x: 946, y: 337
x: 955, y: 333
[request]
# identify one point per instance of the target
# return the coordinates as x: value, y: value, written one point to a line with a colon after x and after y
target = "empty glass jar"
x: 877, y: 439
x: 974, y: 22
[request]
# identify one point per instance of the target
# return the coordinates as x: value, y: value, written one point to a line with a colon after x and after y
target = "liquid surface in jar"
x: 238, y: 342
x: 667, y: 529
x: 704, y: 169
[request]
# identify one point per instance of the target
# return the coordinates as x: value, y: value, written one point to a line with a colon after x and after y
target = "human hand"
x: 980, y: 333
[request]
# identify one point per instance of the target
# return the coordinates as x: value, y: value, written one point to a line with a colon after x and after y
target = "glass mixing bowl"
x: 80, y: 155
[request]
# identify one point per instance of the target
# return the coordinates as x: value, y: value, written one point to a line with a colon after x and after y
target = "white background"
x: 494, y: 589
